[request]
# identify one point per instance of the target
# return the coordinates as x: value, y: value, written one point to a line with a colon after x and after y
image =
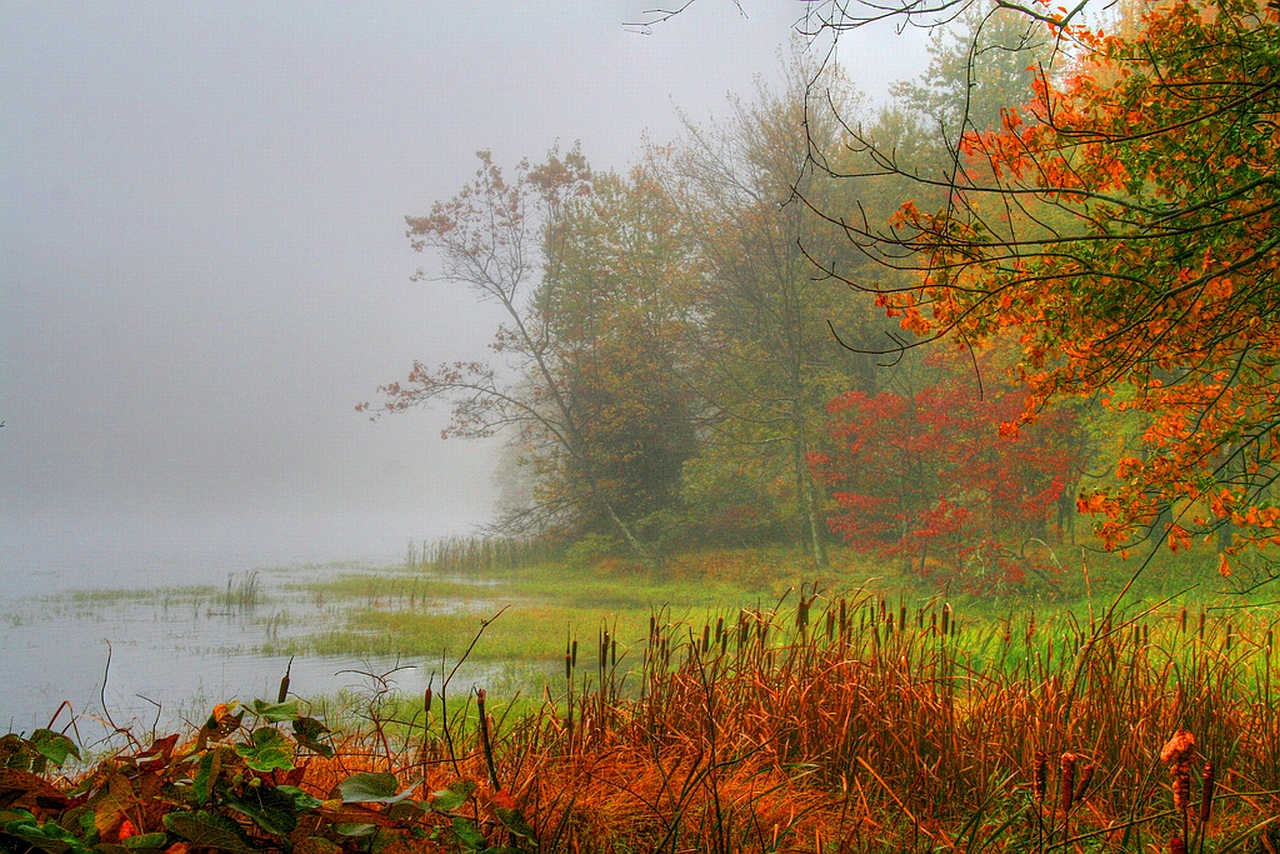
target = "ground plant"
x: 824, y: 720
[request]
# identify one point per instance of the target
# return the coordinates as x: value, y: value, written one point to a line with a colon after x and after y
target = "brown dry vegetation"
x: 840, y: 725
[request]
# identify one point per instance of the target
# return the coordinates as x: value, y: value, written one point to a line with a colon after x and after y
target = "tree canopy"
x: 1121, y: 223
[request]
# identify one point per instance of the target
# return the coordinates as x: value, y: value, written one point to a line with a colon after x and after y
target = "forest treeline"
x: 1041, y: 280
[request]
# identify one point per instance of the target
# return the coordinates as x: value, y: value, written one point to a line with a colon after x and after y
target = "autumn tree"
x: 766, y: 360
x: 579, y: 384
x: 1123, y: 226
x: 926, y: 475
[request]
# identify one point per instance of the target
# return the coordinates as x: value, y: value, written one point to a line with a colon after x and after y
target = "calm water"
x: 172, y: 657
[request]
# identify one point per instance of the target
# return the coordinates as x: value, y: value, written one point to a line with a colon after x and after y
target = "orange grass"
x: 798, y: 732
x: 852, y: 725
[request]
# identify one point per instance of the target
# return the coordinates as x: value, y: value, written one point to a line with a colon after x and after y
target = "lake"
x: 149, y: 598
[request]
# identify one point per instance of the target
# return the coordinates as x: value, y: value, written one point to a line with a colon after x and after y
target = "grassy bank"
x: 699, y: 714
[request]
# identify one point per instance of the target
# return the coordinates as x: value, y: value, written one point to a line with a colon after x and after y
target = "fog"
x: 203, y: 265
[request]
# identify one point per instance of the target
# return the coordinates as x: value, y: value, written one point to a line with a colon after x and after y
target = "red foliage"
x: 932, y: 474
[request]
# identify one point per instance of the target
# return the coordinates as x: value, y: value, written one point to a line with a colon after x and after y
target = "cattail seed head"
x: 1207, y: 782
x: 1086, y: 777
x: 1178, y: 747
x: 1039, y: 775
x: 1180, y: 776
x: 1068, y: 781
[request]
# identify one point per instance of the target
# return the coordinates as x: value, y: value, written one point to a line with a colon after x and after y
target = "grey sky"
x: 202, y: 255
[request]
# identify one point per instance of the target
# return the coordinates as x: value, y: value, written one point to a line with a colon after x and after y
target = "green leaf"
x: 452, y: 796
x: 308, y: 732
x: 369, y: 787
x: 468, y: 834
x: 276, y: 712
x: 49, y: 837
x: 270, y: 749
x: 210, y: 830
x: 513, y: 821
x: 146, y: 840
x: 351, y: 829
x: 274, y: 811
x: 206, y: 772
x: 301, y: 800
x: 54, y: 746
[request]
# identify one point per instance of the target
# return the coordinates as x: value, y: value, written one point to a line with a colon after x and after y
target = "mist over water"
x: 169, y: 662
x: 44, y: 555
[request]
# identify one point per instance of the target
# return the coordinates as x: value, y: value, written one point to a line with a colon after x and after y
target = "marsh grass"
x: 849, y: 722
x: 699, y: 714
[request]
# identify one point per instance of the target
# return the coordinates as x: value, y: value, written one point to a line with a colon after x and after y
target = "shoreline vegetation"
x: 734, y: 703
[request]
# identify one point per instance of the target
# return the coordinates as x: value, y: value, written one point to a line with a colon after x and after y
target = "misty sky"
x: 202, y: 255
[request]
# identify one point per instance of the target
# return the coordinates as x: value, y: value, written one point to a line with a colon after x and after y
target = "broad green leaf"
x: 274, y: 811
x: 301, y: 800
x: 276, y: 712
x: 308, y: 732
x: 49, y: 837
x: 468, y: 834
x: 452, y: 796
x: 372, y: 788
x: 316, y: 845
x: 270, y: 749
x: 210, y: 830
x: 54, y: 746
x: 206, y: 773
x: 514, y: 821
x: 352, y: 829
x: 146, y: 840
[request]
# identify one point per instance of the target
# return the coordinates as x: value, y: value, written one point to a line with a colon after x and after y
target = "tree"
x: 927, y: 475
x: 1123, y: 227
x: 579, y: 386
x: 765, y: 359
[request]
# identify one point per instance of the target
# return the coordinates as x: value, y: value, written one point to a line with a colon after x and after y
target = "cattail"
x: 1177, y: 845
x: 1068, y: 781
x: 831, y: 626
x: 283, y: 694
x: 1039, y: 776
x: 1178, y: 747
x: 1031, y: 629
x: 902, y: 617
x: 1086, y: 777
x: 946, y: 615
x: 706, y: 638
x: 426, y: 700
x: 1182, y: 619
x: 1180, y: 775
x: 1207, y: 781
